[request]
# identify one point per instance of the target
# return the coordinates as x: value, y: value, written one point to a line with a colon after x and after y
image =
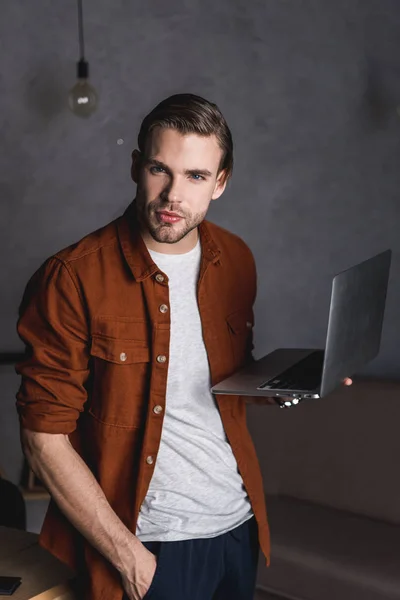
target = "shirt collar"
x: 135, y: 251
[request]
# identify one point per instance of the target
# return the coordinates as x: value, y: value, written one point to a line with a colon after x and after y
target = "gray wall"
x: 309, y: 88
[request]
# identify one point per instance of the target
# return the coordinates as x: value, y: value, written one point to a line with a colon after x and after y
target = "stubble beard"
x: 167, y: 233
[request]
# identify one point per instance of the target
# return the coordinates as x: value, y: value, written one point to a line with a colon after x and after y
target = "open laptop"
x: 353, y: 338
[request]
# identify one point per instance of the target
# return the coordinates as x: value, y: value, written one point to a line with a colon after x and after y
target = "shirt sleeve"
x: 54, y: 327
x: 252, y: 271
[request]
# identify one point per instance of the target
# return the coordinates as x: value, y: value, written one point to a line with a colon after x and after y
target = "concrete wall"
x: 309, y: 88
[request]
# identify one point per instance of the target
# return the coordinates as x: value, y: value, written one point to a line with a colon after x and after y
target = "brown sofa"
x: 332, y: 478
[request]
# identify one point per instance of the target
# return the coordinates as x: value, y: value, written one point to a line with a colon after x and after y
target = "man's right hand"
x: 138, y: 580
x: 57, y: 464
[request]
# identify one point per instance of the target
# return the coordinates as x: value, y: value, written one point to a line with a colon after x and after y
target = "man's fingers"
x: 348, y: 381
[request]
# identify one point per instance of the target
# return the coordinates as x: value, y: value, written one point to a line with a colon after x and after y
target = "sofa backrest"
x: 342, y: 451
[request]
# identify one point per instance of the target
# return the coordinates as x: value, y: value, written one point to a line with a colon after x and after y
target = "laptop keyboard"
x: 304, y: 375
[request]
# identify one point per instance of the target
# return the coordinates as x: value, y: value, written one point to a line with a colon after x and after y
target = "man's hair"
x: 188, y: 113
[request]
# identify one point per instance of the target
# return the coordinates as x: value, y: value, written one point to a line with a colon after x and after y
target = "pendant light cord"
x: 80, y: 27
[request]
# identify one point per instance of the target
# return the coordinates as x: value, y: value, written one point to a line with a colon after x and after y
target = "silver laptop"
x: 353, y: 339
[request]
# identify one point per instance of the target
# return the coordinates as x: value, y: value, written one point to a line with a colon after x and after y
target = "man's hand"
x: 275, y: 400
x: 347, y: 381
x: 56, y: 463
x: 138, y: 580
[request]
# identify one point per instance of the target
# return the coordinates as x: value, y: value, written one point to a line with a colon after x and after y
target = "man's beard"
x: 166, y: 233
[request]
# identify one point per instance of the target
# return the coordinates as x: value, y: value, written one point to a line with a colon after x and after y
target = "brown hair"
x: 188, y: 113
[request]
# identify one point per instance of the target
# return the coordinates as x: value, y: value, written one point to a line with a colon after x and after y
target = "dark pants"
x: 220, y: 568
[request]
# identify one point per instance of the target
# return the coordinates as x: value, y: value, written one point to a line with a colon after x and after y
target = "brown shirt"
x: 98, y: 334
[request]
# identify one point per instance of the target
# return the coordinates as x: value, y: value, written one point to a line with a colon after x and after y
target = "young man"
x: 155, y: 484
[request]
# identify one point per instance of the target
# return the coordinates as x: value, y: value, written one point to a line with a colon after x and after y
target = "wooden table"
x: 43, y: 576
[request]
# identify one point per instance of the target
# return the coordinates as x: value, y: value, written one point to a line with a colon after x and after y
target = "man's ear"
x: 136, y: 165
x: 220, y: 185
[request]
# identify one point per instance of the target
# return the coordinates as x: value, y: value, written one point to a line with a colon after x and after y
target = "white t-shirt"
x: 196, y: 490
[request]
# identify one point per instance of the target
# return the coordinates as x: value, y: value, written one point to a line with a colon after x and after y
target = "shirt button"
x: 123, y: 356
x: 160, y: 278
x: 161, y: 358
x: 249, y: 325
x: 163, y: 308
x: 158, y: 409
x: 149, y: 460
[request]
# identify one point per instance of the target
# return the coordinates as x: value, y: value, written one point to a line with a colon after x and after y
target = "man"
x: 156, y: 489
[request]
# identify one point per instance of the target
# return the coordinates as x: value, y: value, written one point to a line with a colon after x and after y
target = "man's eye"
x: 197, y: 177
x: 157, y: 170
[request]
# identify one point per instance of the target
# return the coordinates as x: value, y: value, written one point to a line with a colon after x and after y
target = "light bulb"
x: 82, y: 98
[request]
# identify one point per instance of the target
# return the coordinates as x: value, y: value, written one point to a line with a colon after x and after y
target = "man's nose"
x: 173, y: 190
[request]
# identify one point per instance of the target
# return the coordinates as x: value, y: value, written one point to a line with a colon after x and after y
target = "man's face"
x: 176, y: 180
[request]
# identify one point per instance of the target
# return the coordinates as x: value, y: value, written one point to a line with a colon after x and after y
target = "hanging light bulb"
x: 82, y: 98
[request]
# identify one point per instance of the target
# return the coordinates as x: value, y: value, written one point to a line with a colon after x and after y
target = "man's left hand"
x: 347, y: 381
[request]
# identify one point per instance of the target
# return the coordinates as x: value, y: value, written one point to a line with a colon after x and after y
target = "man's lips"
x: 167, y: 217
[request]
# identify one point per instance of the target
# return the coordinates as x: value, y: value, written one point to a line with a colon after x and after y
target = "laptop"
x: 353, y: 339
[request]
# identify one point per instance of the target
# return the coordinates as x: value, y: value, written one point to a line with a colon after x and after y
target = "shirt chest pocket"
x: 120, y: 374
x: 240, y: 327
